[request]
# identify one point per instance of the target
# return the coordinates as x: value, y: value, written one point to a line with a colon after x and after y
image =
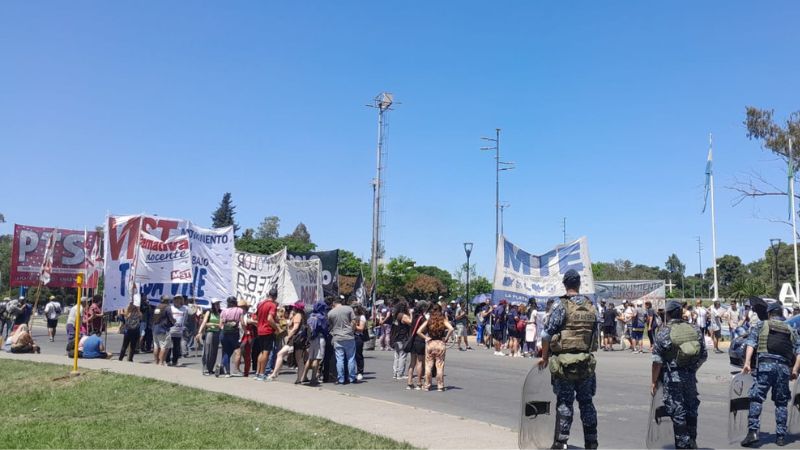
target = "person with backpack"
x: 777, y: 347
x: 570, y: 337
x: 133, y: 317
x: 678, y: 353
x: 51, y: 312
x: 318, y: 329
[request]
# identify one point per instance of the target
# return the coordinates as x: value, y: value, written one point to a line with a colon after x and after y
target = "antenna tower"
x: 382, y: 103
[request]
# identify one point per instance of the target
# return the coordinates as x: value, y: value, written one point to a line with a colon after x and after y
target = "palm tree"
x: 744, y: 288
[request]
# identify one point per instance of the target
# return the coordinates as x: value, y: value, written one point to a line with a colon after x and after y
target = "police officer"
x: 777, y: 346
x: 678, y: 352
x: 570, y: 336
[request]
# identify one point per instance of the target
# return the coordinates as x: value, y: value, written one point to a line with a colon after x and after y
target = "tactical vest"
x: 776, y: 338
x: 685, y: 340
x: 579, y: 324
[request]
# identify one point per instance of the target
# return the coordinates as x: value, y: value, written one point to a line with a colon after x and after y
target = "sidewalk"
x: 419, y: 427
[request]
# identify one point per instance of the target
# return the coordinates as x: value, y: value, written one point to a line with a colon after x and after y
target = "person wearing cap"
x: 678, y: 353
x: 777, y: 347
x: 211, y: 327
x: 51, y: 312
x: 266, y: 329
x: 570, y: 337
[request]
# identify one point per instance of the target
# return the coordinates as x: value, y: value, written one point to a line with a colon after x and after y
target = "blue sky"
x: 605, y: 108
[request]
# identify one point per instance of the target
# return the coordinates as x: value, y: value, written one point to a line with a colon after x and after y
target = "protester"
x: 481, y: 314
x: 22, y: 341
x: 296, y: 340
x: 211, y: 327
x: 362, y: 335
x: 609, y: 328
x: 499, y: 324
x: 93, y: 347
x: 436, y: 331
x: 733, y: 317
x: 133, y: 317
x: 249, y: 329
x: 414, y: 346
x: 570, y: 329
x: 385, y: 322
x: 162, y: 323
x: 638, y: 324
x: 267, y: 326
x: 180, y: 315
x: 230, y: 321
x: 146, y: 326
x: 51, y: 312
x: 342, y: 321
x: 6, y: 318
x: 512, y: 334
x: 283, y: 314
x: 400, y: 333
x: 462, y: 326
x: 651, y: 323
x: 715, y: 324
x: 71, y: 318
x: 318, y: 328
x: 530, y: 333
x: 93, y: 317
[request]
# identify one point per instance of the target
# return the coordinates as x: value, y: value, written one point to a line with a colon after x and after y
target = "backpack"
x: 685, y: 345
x: 520, y: 325
x: 318, y: 324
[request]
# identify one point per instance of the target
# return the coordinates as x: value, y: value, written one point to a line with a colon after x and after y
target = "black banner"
x: 330, y: 269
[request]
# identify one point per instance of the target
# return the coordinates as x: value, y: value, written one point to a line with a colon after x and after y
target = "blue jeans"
x: 273, y: 354
x: 479, y: 333
x: 230, y: 342
x: 345, y: 349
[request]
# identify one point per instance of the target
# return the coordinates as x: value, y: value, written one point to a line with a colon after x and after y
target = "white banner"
x: 254, y: 275
x: 301, y: 281
x: 212, y: 261
x: 168, y: 261
x: 121, y: 235
x: 519, y: 275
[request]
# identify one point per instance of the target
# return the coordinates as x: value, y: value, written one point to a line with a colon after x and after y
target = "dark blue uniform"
x: 680, y: 386
x: 772, y: 372
x: 568, y: 391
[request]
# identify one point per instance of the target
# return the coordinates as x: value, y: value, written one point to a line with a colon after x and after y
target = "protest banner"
x: 519, y: 275
x: 254, y: 275
x: 212, y: 263
x: 121, y: 237
x: 167, y: 261
x: 330, y: 269
x: 301, y: 281
x: 632, y: 290
x: 29, y: 248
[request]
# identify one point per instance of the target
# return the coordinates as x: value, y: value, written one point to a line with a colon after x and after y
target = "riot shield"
x: 739, y: 407
x: 794, y: 410
x: 538, y: 416
x: 660, y: 433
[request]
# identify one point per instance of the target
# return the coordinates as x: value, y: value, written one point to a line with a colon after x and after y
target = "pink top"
x: 231, y: 315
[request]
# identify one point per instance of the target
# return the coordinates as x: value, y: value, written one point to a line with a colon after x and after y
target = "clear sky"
x: 605, y: 108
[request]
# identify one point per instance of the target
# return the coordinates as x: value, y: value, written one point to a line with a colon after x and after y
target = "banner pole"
x: 77, y: 336
x: 713, y: 227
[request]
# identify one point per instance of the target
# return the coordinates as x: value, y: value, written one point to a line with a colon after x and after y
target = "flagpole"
x: 794, y: 219
x: 714, y: 224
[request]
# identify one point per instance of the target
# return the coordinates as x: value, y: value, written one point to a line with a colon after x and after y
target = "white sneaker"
x: 359, y: 377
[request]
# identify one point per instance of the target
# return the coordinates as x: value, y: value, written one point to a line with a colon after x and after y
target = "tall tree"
x: 223, y: 216
x: 675, y: 267
x: 269, y: 228
x: 300, y: 233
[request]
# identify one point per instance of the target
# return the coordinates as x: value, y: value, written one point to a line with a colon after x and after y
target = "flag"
x: 47, y: 262
x: 359, y: 290
x: 709, y: 174
x: 94, y: 262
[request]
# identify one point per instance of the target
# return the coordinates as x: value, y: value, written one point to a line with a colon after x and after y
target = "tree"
x: 425, y: 287
x: 269, y: 228
x: 223, y: 216
x: 729, y: 269
x: 450, y: 284
x: 351, y: 265
x: 762, y: 127
x: 393, y: 277
x: 744, y: 288
x: 675, y: 267
x: 300, y: 233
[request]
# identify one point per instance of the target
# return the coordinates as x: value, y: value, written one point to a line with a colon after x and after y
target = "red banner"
x: 69, y: 257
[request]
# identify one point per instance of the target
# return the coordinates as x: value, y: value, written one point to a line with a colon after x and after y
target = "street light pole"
x: 468, y: 251
x: 775, y: 243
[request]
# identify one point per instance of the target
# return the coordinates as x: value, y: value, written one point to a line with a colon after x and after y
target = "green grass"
x: 45, y: 408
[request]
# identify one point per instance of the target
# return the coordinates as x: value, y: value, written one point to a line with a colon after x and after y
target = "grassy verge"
x: 43, y: 408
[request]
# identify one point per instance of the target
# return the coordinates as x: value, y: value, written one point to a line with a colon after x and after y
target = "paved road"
x: 485, y: 387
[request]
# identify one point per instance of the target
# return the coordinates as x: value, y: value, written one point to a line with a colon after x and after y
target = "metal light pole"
x: 498, y: 168
x: 468, y: 251
x: 776, y: 247
x: 503, y: 208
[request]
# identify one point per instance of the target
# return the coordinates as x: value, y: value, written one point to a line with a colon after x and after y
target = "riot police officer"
x: 678, y: 352
x: 777, y: 346
x: 570, y: 336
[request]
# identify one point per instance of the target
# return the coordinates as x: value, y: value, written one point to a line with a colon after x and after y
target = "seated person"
x: 93, y: 347
x: 71, y: 347
x: 22, y: 341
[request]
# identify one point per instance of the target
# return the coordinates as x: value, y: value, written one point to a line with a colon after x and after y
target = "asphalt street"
x: 487, y: 388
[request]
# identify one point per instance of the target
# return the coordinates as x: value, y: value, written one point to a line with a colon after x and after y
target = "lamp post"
x: 468, y: 251
x: 775, y: 243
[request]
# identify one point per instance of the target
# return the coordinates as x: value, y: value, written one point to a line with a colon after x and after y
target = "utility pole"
x: 564, y: 228
x: 499, y: 166
x: 382, y: 103
x: 503, y: 208
x: 700, y: 260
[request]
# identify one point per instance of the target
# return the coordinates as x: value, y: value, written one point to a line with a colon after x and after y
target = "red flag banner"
x: 29, y: 250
